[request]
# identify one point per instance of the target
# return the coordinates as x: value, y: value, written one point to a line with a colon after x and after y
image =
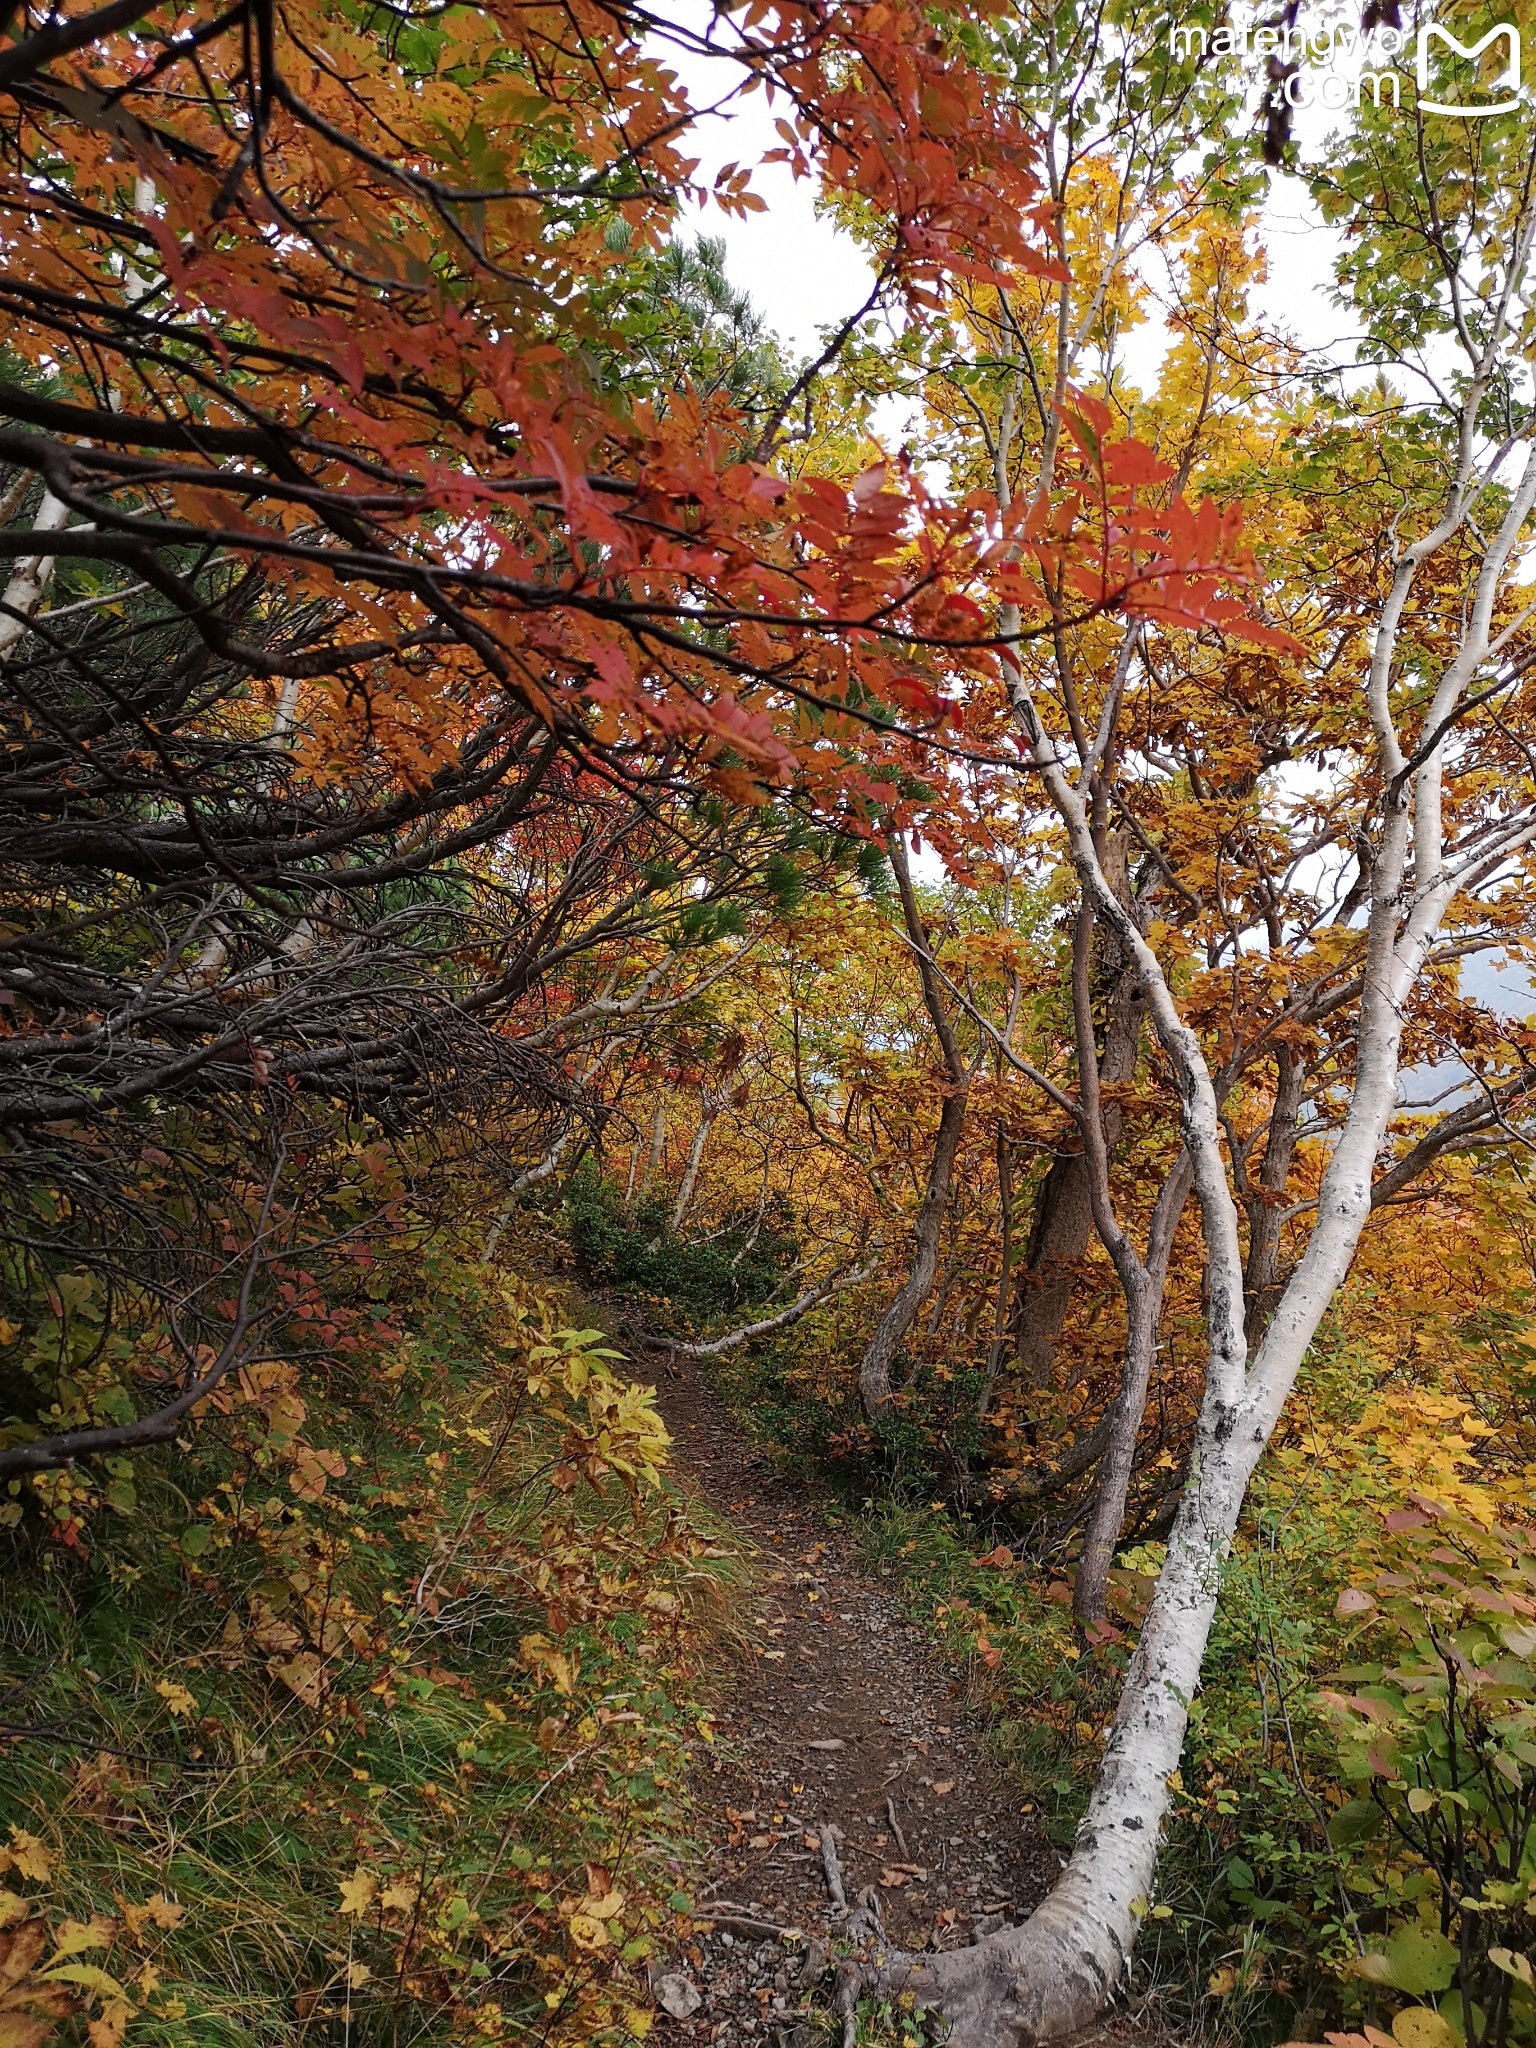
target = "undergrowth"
x: 635, y: 1249
x: 1269, y: 1922
x: 380, y: 1743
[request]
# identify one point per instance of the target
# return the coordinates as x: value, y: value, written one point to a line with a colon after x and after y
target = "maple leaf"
x: 358, y: 1892
x: 27, y: 1855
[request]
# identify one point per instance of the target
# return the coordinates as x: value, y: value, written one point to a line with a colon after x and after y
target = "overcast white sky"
x: 805, y: 276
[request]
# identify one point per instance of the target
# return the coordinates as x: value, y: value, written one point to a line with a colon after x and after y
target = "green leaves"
x: 1443, y: 1727
x: 1417, y: 1960
x: 1355, y: 1821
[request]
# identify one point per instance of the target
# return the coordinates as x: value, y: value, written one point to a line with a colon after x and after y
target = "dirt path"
x: 840, y: 1718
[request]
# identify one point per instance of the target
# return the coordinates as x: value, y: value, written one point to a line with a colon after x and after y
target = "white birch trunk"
x: 1052, y: 1976
x: 30, y: 577
x: 710, y: 1107
x: 653, y: 1158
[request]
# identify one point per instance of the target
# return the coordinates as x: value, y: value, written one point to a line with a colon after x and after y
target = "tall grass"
x: 386, y: 1751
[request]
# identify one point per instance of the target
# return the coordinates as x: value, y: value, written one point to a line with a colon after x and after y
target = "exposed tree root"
x: 1023, y: 1987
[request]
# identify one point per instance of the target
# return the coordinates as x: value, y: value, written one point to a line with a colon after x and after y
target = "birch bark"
x: 1050, y: 1977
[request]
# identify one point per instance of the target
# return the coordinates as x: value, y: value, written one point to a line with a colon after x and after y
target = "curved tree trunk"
x: 1052, y: 1976
x: 875, y: 1389
x: 1144, y: 1301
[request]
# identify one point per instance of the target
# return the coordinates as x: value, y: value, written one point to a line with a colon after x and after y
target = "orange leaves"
x: 1110, y: 539
x: 887, y: 110
x: 418, y: 344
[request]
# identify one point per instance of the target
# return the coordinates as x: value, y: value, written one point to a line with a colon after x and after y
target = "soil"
x: 840, y: 1717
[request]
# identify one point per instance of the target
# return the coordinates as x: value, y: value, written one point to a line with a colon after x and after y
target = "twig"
x: 51, y: 1453
x: 833, y: 1869
x: 733, y: 1917
x: 901, y: 1840
x: 575, y: 1757
x: 16, y: 1731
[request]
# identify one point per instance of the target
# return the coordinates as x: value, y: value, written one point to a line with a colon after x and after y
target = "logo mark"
x: 1509, y: 81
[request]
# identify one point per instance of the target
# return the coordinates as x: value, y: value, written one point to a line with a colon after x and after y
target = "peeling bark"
x: 30, y: 576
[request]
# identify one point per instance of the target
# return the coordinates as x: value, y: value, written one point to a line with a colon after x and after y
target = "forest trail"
x: 839, y: 1716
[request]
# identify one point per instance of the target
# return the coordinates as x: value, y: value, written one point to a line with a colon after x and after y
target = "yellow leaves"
x: 76, y: 1938
x: 28, y: 1856
x: 363, y: 1892
x: 1515, y: 1965
x: 35, y: 1993
x: 303, y: 1674
x: 28, y: 2005
x: 52, y: 1991
x: 358, y: 1892
x: 312, y: 1469
x: 90, y: 1976
x: 159, y: 1913
x: 272, y: 1388
x: 310, y: 1574
x: 587, y: 1919
x: 540, y: 1656
x: 587, y: 1934
x: 176, y: 1697
x: 623, y: 1433
x: 1419, y: 2026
